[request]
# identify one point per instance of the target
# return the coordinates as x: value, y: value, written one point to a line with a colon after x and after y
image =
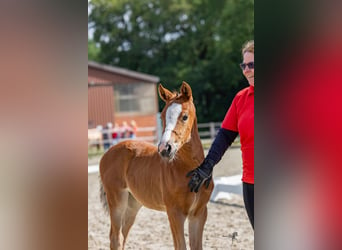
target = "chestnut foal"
x: 135, y: 173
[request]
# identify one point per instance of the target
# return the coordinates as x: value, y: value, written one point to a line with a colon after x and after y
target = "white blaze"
x: 171, y: 118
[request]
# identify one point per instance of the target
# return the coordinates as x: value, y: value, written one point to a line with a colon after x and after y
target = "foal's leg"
x: 129, y: 218
x: 117, y: 205
x: 176, y: 219
x: 196, y: 227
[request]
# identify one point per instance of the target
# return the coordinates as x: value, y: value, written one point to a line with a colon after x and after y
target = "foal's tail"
x: 103, y: 197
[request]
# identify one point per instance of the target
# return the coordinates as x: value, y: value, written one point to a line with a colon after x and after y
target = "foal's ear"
x: 186, y: 90
x: 164, y: 93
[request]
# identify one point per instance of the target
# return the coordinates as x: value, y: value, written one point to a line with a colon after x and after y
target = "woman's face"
x: 247, y: 67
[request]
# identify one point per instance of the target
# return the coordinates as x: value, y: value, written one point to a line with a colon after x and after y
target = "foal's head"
x: 178, y: 118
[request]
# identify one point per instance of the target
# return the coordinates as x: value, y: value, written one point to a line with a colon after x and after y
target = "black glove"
x: 201, y: 175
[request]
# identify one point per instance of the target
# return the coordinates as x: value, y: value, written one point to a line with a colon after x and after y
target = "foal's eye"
x: 185, y: 117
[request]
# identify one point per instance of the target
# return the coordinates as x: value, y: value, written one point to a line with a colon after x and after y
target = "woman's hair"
x: 248, y: 47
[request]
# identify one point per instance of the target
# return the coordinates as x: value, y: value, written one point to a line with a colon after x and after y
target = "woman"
x: 238, y: 120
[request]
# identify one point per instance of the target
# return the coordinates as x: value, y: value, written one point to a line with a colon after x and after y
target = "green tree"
x: 93, y: 51
x: 198, y: 41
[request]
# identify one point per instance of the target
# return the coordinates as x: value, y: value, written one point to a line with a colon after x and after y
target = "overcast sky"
x: 90, y: 31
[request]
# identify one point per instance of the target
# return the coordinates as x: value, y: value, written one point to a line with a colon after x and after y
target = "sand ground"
x: 151, y: 228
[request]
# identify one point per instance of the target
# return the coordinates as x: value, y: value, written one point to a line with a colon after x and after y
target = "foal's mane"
x: 178, y: 97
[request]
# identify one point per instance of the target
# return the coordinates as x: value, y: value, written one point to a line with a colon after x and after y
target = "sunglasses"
x: 250, y: 65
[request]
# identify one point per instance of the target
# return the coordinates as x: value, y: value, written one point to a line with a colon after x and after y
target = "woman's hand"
x: 201, y: 175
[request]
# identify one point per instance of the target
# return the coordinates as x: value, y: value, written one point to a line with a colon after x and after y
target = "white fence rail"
x: 207, y: 132
x: 95, y: 136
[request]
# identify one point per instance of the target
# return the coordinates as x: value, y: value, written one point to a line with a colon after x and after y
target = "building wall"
x: 142, y: 122
x: 100, y: 106
x: 101, y: 102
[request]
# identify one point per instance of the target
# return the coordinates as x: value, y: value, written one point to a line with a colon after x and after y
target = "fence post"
x: 212, y: 130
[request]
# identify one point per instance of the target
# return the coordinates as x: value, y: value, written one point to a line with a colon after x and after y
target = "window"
x: 134, y: 98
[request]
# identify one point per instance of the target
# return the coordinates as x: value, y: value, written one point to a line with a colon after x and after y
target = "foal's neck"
x: 193, y: 149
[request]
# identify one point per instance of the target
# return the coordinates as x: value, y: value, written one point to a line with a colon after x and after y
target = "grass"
x: 93, y: 152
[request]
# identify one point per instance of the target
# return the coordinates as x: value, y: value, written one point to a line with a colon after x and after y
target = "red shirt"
x: 240, y: 118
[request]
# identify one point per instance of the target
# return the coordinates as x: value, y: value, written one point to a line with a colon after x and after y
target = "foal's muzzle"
x: 166, y: 149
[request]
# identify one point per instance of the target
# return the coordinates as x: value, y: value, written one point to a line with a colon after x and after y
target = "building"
x: 120, y: 95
